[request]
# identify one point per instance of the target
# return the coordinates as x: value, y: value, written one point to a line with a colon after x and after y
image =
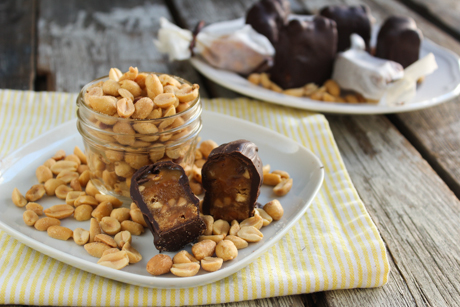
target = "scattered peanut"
x: 272, y: 179
x: 35, y: 192
x: 121, y: 214
x: 59, y: 232
x: 103, y: 238
x: 160, y: 264
x: 102, y: 210
x: 239, y: 243
x: 209, y: 221
x: 110, y: 225
x: 94, y: 229
x: 59, y: 211
x: 283, y: 187
x: 220, y: 227
x: 185, y: 269
x: 37, y: 208
x: 18, y: 199
x: 117, y: 260
x: 122, y: 238
x: 184, y: 257
x: 215, y: 238
x: 80, y: 236
x: 134, y: 228
x: 203, y: 249
x: 51, y: 186
x: 235, y: 226
x: 274, y: 209
x: 30, y: 217
x: 43, y: 173
x: 45, y: 222
x: 255, y: 221
x: 62, y: 190
x: 96, y: 249
x: 211, y: 264
x: 226, y: 250
x: 250, y: 234
x: 133, y: 255
x: 267, y: 219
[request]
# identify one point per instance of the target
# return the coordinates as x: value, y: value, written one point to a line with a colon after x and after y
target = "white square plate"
x: 18, y: 170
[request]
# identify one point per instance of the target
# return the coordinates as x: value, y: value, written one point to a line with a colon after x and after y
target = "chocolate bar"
x: 170, y: 209
x: 232, y: 177
x: 399, y: 40
x: 268, y: 16
x: 305, y: 53
x: 349, y: 20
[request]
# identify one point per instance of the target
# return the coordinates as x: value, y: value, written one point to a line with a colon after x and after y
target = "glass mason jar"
x: 113, y: 157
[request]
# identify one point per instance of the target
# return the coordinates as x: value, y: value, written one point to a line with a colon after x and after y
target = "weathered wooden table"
x: 404, y: 166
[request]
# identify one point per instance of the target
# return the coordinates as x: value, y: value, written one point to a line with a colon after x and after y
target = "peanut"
x: 96, y: 249
x: 196, y: 187
x: 209, y: 221
x: 110, y: 225
x: 59, y: 211
x: 85, y: 200
x: 274, y: 87
x: 67, y: 176
x: 51, y: 186
x: 84, y: 178
x: 64, y: 165
x: 94, y: 229
x: 131, y: 74
x: 45, y: 222
x: 37, y: 208
x: 102, y: 210
x: 125, y: 107
x: 133, y: 255
x: 103, y: 104
x: 239, y: 243
x: 122, y: 238
x: 266, y: 169
x: 50, y: 162
x: 18, y: 199
x: 296, y: 92
x: 140, y: 79
x: 120, y: 214
x: 265, y: 80
x: 156, y: 113
x: 332, y: 87
x: 114, y: 156
x: 211, y: 264
x: 115, y: 261
x: 83, y: 212
x: 235, y: 227
x: 188, y: 94
x: 283, y: 187
x: 115, y: 74
x: 254, y: 78
x: 138, y: 217
x: 159, y: 264
x: 267, y: 219
x: 203, y: 249
x: 30, y: 217
x: 274, y: 209
x: 35, y: 192
x: 132, y: 87
x: 80, y: 236
x: 62, y: 190
x: 43, y: 173
x: 105, y: 239
x: 255, y: 221
x: 164, y: 100
x: 110, y: 87
x: 134, y: 228
x: 283, y: 174
x: 220, y: 227
x: 59, y: 232
x: 75, y: 184
x: 226, y: 250
x: 136, y: 161
x: 77, y: 151
x: 116, y: 203
x: 185, y: 269
x: 91, y: 190
x: 272, y: 179
x: 110, y: 251
x: 250, y: 234
x: 184, y: 257
x: 153, y: 86
x: 126, y: 94
x: 74, y: 158
x: 206, y: 147
x: 309, y: 89
x: 59, y: 155
x: 82, y: 168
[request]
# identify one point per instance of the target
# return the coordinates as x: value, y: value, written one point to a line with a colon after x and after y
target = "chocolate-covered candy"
x: 268, y: 16
x: 305, y: 53
x: 349, y: 20
x: 232, y: 177
x: 399, y: 40
x: 170, y: 209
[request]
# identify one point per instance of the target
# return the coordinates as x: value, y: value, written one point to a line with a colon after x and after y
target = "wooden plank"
x: 81, y: 40
x: 443, y: 13
x: 17, y: 44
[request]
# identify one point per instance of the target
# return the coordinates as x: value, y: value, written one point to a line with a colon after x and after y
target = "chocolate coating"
x: 305, y: 53
x: 268, y: 16
x: 349, y: 20
x: 233, y: 170
x: 188, y: 226
x: 399, y: 40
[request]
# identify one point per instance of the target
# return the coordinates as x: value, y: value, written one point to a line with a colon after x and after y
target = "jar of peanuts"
x: 135, y: 119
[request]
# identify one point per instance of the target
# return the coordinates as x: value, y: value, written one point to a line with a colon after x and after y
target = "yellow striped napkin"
x: 334, y: 246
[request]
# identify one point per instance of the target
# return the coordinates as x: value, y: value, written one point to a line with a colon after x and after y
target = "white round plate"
x: 18, y: 170
x: 442, y: 85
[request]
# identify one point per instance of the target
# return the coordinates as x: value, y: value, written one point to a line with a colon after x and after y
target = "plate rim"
x: 335, y: 108
x: 156, y: 281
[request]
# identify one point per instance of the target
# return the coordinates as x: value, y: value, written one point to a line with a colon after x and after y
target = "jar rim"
x: 81, y: 103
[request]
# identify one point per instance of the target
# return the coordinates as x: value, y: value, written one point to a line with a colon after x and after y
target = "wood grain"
x: 81, y: 40
x: 17, y: 44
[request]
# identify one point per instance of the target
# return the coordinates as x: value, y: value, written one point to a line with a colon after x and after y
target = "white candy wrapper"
x: 403, y: 90
x: 238, y: 48
x: 357, y: 70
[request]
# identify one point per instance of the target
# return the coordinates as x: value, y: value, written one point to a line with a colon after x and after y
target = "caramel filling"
x: 166, y: 199
x: 231, y: 186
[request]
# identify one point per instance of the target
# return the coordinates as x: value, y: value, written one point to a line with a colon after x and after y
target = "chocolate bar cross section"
x: 170, y: 209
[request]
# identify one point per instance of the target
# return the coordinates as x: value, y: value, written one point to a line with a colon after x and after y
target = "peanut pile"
x: 329, y: 92
x: 111, y: 227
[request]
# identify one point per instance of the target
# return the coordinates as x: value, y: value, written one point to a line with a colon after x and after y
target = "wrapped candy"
x: 228, y: 45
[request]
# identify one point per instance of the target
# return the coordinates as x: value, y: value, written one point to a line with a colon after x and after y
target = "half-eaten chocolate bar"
x: 232, y: 177
x: 170, y: 209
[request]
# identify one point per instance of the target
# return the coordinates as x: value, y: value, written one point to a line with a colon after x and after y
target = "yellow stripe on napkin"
x: 335, y: 245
